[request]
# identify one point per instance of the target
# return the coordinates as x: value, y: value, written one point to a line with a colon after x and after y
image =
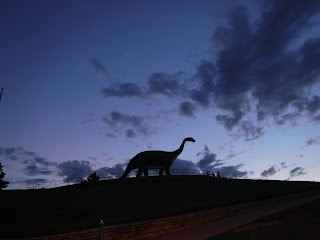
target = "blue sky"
x: 89, y: 84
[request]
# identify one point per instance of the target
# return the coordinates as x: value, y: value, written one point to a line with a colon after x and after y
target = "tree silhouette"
x: 3, y: 183
x: 93, y: 178
x: 1, y: 94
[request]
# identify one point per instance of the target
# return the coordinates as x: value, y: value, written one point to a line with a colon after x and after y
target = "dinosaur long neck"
x: 180, y: 149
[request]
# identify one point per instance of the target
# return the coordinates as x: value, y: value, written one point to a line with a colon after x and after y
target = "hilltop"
x: 26, y: 213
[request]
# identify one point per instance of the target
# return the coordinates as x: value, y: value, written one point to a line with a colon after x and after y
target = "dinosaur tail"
x: 126, y: 172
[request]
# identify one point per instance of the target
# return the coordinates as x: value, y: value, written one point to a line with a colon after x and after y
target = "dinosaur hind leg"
x: 161, y: 172
x: 145, y: 172
x: 168, y: 172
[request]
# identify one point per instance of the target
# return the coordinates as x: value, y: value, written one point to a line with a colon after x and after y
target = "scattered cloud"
x: 34, y: 165
x: 35, y: 170
x: 100, y: 68
x: 169, y: 85
x: 32, y: 181
x: 233, y: 154
x: 250, y: 131
x: 187, y: 108
x: 300, y: 155
x: 233, y: 171
x: 283, y: 165
x: 269, y: 172
x: 115, y: 171
x: 130, y: 133
x: 312, y: 141
x: 297, y: 172
x: 183, y: 164
x: 122, y: 90
x: 134, y: 124
x: 261, y: 69
x: 210, y: 163
x: 257, y: 68
x: 209, y: 160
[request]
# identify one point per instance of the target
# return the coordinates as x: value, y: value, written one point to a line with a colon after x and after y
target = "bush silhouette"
x: 93, y: 178
x: 3, y: 183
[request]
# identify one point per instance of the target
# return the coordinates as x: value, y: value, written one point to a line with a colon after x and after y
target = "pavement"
x: 206, y: 230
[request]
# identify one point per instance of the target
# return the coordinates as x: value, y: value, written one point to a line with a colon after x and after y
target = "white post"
x: 102, y: 235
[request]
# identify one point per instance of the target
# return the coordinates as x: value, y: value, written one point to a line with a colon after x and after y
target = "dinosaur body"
x: 154, y: 160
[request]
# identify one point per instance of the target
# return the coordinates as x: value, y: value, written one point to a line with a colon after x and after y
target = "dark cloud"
x: 118, y: 121
x: 183, y: 164
x: 210, y: 163
x: 115, y: 171
x: 312, y: 141
x: 316, y: 118
x: 264, y: 67
x: 169, y: 85
x: 297, y: 172
x: 253, y: 58
x: 123, y: 90
x: 187, y: 108
x: 34, y: 181
x: 287, y: 117
x: 229, y: 121
x: 269, y: 172
x: 283, y: 165
x: 233, y: 171
x: 130, y: 133
x: 208, y: 160
x: 313, y: 105
x: 74, y: 170
x: 99, y: 68
x: 300, y: 155
x: 166, y: 84
x: 35, y: 170
x: 9, y: 152
x: 34, y: 164
x: 206, y: 72
x: 250, y: 131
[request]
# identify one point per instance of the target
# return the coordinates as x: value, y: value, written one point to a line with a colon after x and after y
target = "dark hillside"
x: 26, y: 213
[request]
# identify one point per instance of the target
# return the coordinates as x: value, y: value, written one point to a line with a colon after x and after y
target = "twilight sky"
x: 89, y: 84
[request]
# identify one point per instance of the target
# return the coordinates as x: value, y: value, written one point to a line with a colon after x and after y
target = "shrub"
x: 93, y: 178
x: 3, y: 183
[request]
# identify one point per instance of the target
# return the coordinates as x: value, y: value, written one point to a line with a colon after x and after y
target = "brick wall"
x: 162, y: 226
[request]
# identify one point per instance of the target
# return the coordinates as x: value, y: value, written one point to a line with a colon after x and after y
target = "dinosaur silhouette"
x: 154, y: 160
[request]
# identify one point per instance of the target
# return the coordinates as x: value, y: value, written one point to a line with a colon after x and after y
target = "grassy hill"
x: 26, y: 213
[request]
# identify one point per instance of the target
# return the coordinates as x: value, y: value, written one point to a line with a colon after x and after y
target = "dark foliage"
x: 93, y: 178
x: 3, y: 183
x: 79, y: 207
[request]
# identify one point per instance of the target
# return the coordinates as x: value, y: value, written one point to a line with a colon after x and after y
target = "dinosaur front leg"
x: 168, y: 172
x: 139, y: 173
x: 161, y: 172
x: 145, y: 172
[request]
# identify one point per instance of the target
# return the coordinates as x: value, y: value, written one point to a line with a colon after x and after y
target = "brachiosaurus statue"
x: 154, y: 160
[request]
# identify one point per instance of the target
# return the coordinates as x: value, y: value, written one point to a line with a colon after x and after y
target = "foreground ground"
x: 26, y: 213
x: 295, y: 224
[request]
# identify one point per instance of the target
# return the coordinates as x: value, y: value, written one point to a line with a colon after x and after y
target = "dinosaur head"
x: 190, y: 139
